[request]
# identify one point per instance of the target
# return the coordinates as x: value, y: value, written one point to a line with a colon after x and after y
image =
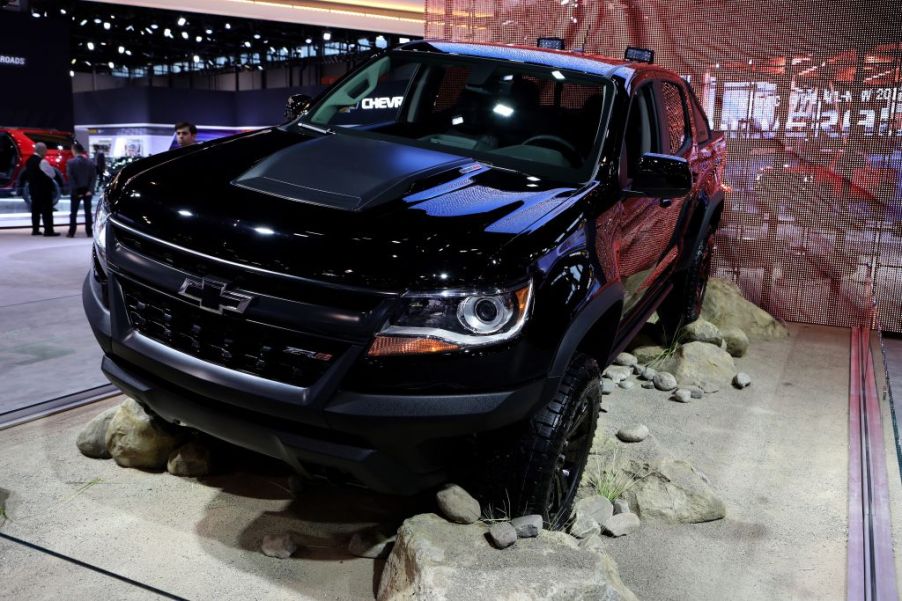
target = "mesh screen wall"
x: 809, y: 95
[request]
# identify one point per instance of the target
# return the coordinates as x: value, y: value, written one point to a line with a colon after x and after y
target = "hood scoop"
x: 345, y: 171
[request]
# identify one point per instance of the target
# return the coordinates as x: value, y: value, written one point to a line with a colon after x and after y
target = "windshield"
x: 526, y: 117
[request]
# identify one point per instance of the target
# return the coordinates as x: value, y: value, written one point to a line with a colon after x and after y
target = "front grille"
x: 251, y: 347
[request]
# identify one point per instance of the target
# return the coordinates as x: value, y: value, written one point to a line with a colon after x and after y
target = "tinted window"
x: 641, y: 129
x: 53, y: 141
x: 675, y: 116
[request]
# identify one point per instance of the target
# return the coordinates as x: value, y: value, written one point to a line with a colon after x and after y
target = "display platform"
x: 777, y: 454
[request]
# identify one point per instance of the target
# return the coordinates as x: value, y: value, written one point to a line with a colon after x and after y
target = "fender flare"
x: 585, y: 320
x: 710, y: 209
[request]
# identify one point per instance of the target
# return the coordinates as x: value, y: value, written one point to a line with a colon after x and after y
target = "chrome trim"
x: 288, y: 276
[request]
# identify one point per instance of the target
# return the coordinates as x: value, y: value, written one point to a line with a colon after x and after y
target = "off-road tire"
x: 528, y: 477
x: 684, y: 303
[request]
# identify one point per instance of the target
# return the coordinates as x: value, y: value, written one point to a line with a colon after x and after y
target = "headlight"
x: 454, y: 320
x: 101, y: 216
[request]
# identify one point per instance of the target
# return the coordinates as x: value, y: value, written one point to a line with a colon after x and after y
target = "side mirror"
x: 297, y: 104
x: 662, y: 176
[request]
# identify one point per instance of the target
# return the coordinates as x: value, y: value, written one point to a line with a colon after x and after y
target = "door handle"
x: 665, y: 202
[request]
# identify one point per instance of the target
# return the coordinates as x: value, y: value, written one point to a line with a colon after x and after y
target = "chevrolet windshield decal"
x: 213, y: 296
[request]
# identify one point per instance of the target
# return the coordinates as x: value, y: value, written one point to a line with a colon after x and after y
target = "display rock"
x: 649, y: 354
x: 736, y: 340
x: 607, y: 386
x: 433, y: 560
x: 626, y: 359
x: 584, y: 526
x: 665, y: 381
x: 191, y: 459
x: 725, y: 307
x: 742, y: 380
x: 647, y: 373
x: 502, y: 534
x: 621, y: 506
x: 280, y: 546
x: 457, y: 505
x: 634, y: 433
x: 626, y: 384
x: 682, y: 396
x: 700, y: 364
x: 617, y: 373
x: 701, y: 330
x: 527, y: 526
x: 135, y: 439
x: 91, y: 440
x: 621, y: 524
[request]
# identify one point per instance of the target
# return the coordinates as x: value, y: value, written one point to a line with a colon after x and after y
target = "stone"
x: 435, y: 560
x: 280, y: 546
x: 703, y: 365
x: 372, y: 543
x: 592, y: 543
x: 594, y: 507
x: 725, y: 307
x: 626, y: 359
x: 457, y: 505
x: 626, y: 384
x: 607, y: 386
x: 702, y: 330
x: 527, y: 526
x: 647, y: 373
x: 649, y: 355
x: 584, y: 526
x: 633, y: 433
x: 502, y: 535
x: 742, y: 380
x: 91, y: 440
x: 736, y: 340
x: 664, y: 381
x: 135, y: 439
x: 696, y: 392
x: 666, y: 488
x: 649, y: 384
x: 682, y: 396
x: 621, y: 506
x: 621, y: 524
x: 617, y: 373
x: 190, y: 459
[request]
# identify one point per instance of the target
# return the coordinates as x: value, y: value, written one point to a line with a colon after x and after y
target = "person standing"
x: 100, y: 162
x: 39, y: 177
x: 82, y: 174
x: 185, y: 133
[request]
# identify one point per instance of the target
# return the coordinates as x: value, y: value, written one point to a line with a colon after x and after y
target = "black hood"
x: 341, y: 208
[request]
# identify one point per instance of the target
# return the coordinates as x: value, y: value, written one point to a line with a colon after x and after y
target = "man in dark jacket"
x: 38, y: 175
x: 82, y: 173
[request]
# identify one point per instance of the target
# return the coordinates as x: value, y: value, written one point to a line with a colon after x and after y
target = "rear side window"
x: 675, y: 117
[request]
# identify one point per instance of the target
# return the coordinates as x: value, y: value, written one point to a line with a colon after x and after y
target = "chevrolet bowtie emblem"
x: 213, y: 296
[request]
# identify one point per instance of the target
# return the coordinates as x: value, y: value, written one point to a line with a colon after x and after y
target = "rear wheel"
x: 540, y: 470
x: 684, y: 303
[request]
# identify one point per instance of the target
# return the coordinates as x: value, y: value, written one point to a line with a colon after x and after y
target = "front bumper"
x: 398, y: 444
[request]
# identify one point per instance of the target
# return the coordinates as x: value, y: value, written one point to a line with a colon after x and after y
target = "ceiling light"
x: 112, y: 65
x: 71, y: 73
x: 227, y: 26
x: 62, y: 11
x: 209, y: 32
x: 197, y: 38
x: 308, y: 41
x: 72, y: 62
x: 83, y: 22
x: 196, y: 58
x: 106, y: 25
x: 247, y: 44
x: 558, y: 75
x: 154, y: 26
x: 185, y: 35
x: 90, y: 45
x: 182, y: 21
x: 129, y: 28
x: 121, y: 49
x: 403, y: 40
x: 327, y: 36
x: 503, y: 110
x: 97, y: 21
x: 167, y: 33
x: 256, y: 36
x: 128, y: 52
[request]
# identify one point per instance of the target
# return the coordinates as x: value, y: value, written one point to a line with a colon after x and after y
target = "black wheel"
x: 684, y: 303
x: 540, y: 470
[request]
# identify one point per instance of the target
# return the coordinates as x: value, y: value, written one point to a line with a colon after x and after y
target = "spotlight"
x: 71, y: 73
x: 196, y: 58
x: 112, y: 65
x: 90, y: 45
x: 227, y: 26
x: 154, y: 26
x: 106, y: 25
x: 403, y: 40
x: 185, y: 35
x: 308, y: 41
x: 182, y: 21
x: 121, y: 49
x: 209, y: 32
x: 197, y: 38
x: 256, y: 36
x: 83, y: 22
x: 247, y: 44
x: 97, y: 21
x: 327, y: 36
x: 167, y: 33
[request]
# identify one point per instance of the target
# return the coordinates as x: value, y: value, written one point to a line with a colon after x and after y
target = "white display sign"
x: 14, y: 61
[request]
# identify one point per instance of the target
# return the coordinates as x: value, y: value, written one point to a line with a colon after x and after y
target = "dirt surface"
x: 776, y: 452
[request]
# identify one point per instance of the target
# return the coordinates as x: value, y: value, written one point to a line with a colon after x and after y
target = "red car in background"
x: 17, y: 145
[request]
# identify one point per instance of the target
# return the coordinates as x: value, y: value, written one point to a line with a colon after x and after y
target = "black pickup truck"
x: 422, y: 272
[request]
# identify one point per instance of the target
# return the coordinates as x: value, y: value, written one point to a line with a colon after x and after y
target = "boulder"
x: 703, y: 365
x: 702, y: 330
x: 736, y: 340
x: 595, y: 507
x: 667, y: 488
x: 91, y: 440
x: 649, y: 354
x: 372, y: 543
x: 457, y: 505
x: 584, y: 526
x: 135, y: 439
x: 435, y: 560
x: 502, y: 534
x: 192, y: 459
x: 725, y: 307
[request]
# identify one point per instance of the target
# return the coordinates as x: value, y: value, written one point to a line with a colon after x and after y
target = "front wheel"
x: 540, y: 470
